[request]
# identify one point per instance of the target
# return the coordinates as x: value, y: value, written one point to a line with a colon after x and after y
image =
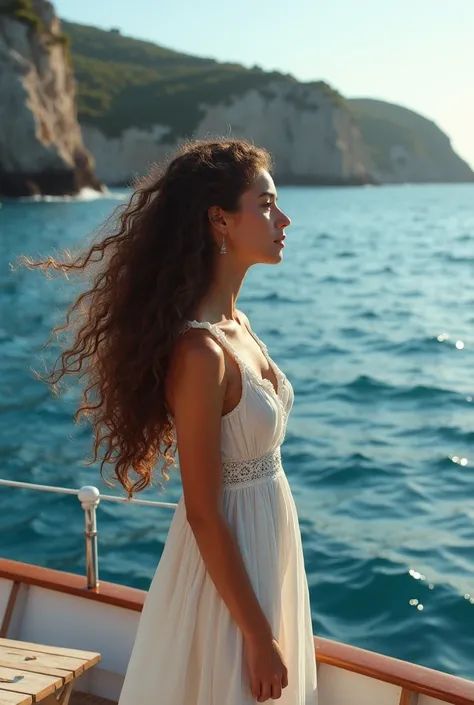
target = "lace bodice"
x: 252, y: 433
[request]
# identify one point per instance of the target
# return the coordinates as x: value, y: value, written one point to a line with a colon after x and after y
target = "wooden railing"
x: 412, y: 678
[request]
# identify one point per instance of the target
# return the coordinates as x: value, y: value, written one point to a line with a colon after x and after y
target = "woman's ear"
x: 217, y: 219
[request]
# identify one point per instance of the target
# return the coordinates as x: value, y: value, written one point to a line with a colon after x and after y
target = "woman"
x: 170, y: 360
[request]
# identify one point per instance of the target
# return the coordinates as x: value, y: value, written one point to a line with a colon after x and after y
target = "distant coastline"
x: 136, y: 102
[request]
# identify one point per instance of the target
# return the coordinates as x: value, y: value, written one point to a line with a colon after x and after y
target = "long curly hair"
x: 149, y: 271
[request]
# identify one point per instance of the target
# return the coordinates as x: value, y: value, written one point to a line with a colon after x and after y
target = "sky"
x: 416, y: 53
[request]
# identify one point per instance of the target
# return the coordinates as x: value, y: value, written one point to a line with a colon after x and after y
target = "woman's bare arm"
x: 197, y: 387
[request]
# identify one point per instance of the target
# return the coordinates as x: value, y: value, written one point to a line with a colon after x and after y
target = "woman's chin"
x: 274, y: 257
x: 278, y: 257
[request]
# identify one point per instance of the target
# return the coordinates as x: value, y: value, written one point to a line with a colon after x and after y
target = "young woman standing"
x: 172, y: 364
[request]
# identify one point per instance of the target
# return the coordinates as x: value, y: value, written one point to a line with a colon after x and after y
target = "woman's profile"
x: 173, y: 368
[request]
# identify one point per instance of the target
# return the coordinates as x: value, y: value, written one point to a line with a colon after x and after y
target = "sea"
x: 371, y: 316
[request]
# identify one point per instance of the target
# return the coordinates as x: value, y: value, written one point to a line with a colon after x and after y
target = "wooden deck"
x: 87, y: 699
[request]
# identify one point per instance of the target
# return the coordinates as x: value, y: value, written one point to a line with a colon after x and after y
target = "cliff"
x: 312, y: 140
x: 41, y: 148
x: 406, y: 147
x: 137, y: 101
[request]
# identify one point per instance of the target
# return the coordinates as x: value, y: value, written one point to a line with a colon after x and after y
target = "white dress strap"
x: 245, y: 370
x: 221, y: 337
x: 213, y: 328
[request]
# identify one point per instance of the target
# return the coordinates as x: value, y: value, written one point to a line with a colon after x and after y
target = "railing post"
x: 89, y: 498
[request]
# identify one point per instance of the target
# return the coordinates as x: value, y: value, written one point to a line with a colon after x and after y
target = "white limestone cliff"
x: 41, y: 148
x: 312, y: 136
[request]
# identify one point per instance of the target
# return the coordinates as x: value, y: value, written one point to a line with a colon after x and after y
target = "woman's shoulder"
x: 197, y: 348
x: 196, y: 366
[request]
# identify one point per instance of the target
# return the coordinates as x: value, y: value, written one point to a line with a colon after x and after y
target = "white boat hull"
x: 52, y: 607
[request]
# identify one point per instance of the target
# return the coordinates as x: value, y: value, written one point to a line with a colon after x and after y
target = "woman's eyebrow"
x: 269, y: 194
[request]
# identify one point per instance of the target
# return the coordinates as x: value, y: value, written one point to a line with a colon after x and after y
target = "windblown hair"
x: 149, y: 274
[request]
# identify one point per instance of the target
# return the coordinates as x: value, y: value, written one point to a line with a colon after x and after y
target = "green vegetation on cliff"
x: 385, y: 125
x: 125, y: 82
x: 22, y: 11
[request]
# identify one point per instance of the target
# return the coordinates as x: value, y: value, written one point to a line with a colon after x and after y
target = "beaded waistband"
x: 243, y: 471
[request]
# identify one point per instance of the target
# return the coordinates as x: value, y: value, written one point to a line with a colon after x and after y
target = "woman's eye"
x: 267, y: 205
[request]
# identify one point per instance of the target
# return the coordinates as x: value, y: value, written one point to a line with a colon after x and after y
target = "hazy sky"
x: 417, y: 53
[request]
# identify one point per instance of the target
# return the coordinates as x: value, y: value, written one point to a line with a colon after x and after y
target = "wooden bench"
x: 33, y: 673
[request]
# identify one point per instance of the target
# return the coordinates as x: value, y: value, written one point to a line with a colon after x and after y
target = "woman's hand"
x: 267, y: 668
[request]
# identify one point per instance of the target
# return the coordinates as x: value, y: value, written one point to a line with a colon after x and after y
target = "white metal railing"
x: 89, y: 497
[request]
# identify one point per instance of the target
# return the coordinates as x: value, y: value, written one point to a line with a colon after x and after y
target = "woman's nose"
x: 283, y: 220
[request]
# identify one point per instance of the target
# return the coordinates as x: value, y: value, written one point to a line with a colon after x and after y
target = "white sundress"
x: 188, y: 650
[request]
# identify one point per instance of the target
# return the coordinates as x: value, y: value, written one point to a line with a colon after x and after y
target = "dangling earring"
x: 223, y: 247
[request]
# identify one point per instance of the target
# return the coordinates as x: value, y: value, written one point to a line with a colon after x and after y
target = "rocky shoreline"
x: 41, y: 147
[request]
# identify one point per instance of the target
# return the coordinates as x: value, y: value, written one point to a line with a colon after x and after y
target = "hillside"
x: 116, y: 74
x: 404, y: 146
x: 137, y: 100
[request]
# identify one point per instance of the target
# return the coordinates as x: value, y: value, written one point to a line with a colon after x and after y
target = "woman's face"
x: 255, y: 234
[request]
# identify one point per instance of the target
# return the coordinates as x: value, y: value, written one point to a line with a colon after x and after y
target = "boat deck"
x: 88, y: 699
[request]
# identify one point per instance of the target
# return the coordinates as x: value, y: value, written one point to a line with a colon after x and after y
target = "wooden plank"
x: 59, y: 698
x: 34, y: 684
x: 21, y: 657
x: 9, y: 609
x: 68, y: 583
x: 9, y: 698
x: 90, y: 658
x: 418, y: 679
x: 408, y: 697
x: 66, y: 676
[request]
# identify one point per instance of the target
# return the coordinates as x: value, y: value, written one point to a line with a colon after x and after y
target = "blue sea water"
x: 371, y: 316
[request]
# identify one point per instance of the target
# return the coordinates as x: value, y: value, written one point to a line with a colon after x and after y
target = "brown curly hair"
x: 153, y: 268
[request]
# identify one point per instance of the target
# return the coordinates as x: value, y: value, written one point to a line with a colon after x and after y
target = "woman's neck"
x: 220, y: 302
